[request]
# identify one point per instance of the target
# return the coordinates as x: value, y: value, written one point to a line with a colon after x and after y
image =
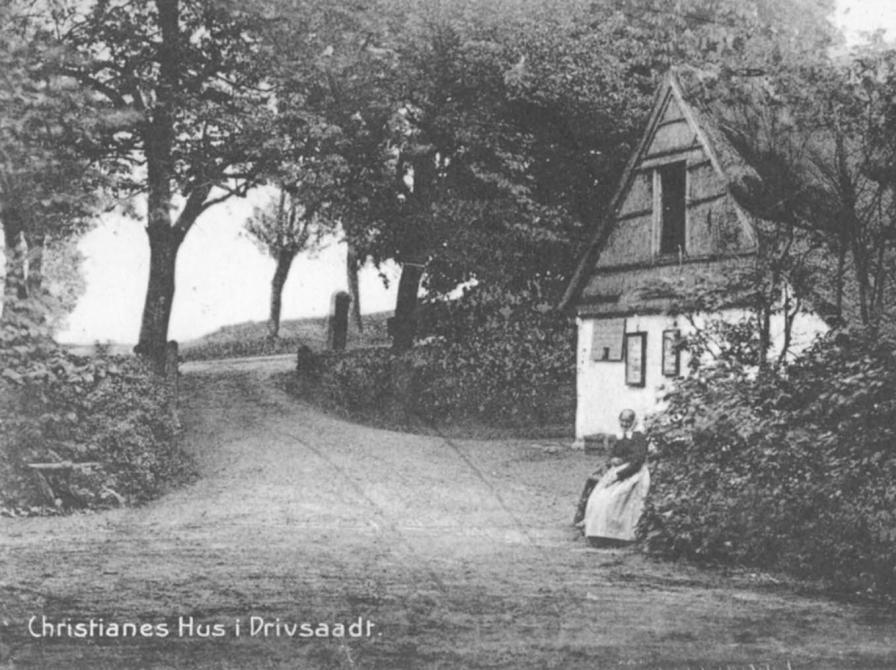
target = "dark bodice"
x: 633, y: 452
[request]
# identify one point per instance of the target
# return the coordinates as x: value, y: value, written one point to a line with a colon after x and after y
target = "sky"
x: 858, y: 16
x: 222, y: 278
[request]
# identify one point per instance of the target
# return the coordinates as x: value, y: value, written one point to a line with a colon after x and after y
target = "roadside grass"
x: 250, y: 338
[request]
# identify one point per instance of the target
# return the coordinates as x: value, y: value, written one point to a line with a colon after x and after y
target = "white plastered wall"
x: 602, y: 393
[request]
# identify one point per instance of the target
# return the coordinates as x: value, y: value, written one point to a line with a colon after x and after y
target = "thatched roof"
x: 703, y: 285
x: 711, y: 113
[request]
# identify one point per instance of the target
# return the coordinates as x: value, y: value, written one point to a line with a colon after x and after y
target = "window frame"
x: 659, y: 211
x: 671, y: 352
x: 621, y: 347
x: 636, y: 341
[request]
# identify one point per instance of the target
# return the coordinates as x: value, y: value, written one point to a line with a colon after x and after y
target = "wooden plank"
x: 600, y: 299
x: 638, y: 195
x: 673, y: 152
x: 689, y: 154
x: 659, y: 261
x: 699, y: 164
x: 672, y: 136
x: 635, y: 214
x: 64, y: 465
x: 671, y: 122
x: 702, y: 201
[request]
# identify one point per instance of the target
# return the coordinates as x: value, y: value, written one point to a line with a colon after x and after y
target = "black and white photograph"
x: 448, y: 334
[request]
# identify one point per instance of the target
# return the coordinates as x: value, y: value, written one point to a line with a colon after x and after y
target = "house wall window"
x: 607, y: 339
x: 671, y: 352
x: 673, y: 187
x: 636, y: 359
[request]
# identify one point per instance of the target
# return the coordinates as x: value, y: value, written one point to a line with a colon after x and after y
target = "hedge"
x: 502, y: 360
x: 104, y: 425
x: 791, y: 469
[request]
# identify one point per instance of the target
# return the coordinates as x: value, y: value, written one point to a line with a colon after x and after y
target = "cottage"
x: 674, y: 231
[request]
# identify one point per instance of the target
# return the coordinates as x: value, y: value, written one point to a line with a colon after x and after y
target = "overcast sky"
x: 222, y: 278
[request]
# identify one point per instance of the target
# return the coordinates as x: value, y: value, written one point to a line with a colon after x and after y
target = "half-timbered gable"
x: 673, y: 215
x: 674, y: 233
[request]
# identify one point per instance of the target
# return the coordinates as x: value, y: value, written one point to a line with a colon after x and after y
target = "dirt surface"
x: 459, y: 553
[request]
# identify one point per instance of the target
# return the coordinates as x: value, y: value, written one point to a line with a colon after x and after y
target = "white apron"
x: 614, y: 506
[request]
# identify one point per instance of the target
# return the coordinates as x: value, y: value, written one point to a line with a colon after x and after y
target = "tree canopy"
x: 50, y: 182
x: 464, y: 140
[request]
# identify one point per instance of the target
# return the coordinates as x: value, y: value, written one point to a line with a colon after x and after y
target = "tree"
x: 193, y: 72
x: 62, y: 278
x: 852, y: 160
x: 345, y: 79
x: 284, y: 228
x: 49, y: 181
x: 482, y: 141
x: 822, y: 146
x: 352, y: 266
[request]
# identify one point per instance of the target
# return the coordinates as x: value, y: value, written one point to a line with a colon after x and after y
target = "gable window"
x: 673, y: 183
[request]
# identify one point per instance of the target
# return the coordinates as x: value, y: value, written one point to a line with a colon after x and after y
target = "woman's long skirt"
x: 614, y: 506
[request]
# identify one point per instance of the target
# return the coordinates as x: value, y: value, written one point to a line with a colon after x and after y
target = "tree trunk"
x: 764, y: 314
x: 284, y: 262
x: 404, y: 324
x: 861, y: 271
x: 790, y: 315
x: 354, y: 290
x: 841, y: 280
x: 35, y: 273
x: 880, y: 274
x: 163, y: 246
x: 164, y: 239
x: 14, y: 284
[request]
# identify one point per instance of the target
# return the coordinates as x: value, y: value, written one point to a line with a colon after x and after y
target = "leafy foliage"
x: 788, y: 470
x: 50, y: 184
x: 818, y: 134
x: 496, y: 358
x: 109, y: 416
x: 191, y: 78
x: 482, y: 141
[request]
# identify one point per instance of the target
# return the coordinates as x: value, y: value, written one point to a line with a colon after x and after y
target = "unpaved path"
x: 458, y: 552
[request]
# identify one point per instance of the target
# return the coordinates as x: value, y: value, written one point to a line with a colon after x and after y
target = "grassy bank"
x: 250, y: 338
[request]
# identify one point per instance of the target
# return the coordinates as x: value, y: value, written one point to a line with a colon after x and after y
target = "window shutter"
x: 607, y: 340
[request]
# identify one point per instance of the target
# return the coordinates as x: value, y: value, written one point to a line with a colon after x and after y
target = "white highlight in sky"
x: 222, y: 278
x: 856, y: 17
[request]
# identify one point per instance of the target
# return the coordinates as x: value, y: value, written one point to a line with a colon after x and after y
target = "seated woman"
x: 612, y: 504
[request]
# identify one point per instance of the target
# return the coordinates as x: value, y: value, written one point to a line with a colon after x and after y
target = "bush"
x: 507, y: 356
x: 239, y: 348
x: 501, y: 359
x: 787, y: 469
x: 358, y: 380
x: 109, y: 416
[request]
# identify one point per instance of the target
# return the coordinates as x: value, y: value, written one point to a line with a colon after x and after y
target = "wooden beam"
x: 605, y: 299
x: 669, y: 259
x: 700, y: 164
x: 64, y: 465
x: 634, y: 215
x: 672, y: 152
x: 671, y: 122
x: 706, y: 199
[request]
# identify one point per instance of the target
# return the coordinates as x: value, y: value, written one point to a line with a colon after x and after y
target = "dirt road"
x: 442, y: 553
